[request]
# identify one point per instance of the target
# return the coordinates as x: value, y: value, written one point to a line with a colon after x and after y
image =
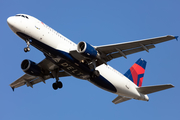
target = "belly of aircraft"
x: 67, y: 63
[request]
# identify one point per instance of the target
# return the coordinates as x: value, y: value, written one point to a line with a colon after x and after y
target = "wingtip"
x: 170, y: 85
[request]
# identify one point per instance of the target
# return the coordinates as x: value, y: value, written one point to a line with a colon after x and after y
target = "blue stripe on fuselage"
x: 103, y: 83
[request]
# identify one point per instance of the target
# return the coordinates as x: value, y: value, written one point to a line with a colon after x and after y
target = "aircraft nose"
x: 10, y: 21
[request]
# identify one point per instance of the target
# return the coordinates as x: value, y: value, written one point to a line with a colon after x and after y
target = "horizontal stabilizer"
x: 152, y: 89
x: 120, y: 99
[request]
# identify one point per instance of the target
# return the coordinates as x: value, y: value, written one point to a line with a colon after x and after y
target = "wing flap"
x: 120, y: 99
x: 152, y: 89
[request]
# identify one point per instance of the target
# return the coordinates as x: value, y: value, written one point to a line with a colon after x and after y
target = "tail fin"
x: 136, y: 72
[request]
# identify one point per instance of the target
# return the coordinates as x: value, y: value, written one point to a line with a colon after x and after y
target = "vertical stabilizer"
x: 136, y: 72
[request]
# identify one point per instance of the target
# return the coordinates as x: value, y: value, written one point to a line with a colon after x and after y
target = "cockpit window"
x: 24, y: 16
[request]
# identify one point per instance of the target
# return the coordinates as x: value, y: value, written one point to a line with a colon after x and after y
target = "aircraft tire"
x: 59, y: 84
x: 26, y: 49
x: 55, y: 86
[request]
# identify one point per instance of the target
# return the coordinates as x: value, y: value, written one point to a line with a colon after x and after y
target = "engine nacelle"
x: 87, y: 50
x: 30, y: 67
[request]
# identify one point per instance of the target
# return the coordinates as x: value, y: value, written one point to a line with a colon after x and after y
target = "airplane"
x: 83, y: 60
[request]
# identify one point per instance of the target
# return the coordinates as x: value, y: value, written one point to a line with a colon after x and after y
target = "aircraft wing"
x: 120, y: 99
x: 109, y: 52
x: 30, y: 80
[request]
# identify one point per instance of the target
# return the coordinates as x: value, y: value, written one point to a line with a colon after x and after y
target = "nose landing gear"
x: 27, y: 49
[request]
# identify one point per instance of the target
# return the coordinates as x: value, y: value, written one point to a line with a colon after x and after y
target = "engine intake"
x: 87, y: 50
x: 30, y: 67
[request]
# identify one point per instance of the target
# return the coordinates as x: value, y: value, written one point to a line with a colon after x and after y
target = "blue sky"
x: 98, y: 22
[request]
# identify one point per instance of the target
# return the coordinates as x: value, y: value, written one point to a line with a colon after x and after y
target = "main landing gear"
x: 27, y: 49
x: 57, y: 84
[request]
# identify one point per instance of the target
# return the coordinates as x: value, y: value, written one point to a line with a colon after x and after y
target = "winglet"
x: 176, y: 37
x: 12, y: 89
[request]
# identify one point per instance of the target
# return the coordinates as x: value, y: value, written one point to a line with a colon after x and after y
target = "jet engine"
x: 30, y: 67
x: 87, y: 50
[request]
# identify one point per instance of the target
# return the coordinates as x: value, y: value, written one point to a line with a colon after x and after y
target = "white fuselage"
x: 46, y: 39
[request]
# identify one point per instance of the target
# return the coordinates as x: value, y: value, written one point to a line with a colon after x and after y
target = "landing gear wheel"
x: 57, y: 85
x: 26, y: 49
x: 54, y: 85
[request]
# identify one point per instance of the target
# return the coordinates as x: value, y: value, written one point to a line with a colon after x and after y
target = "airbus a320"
x: 83, y: 60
